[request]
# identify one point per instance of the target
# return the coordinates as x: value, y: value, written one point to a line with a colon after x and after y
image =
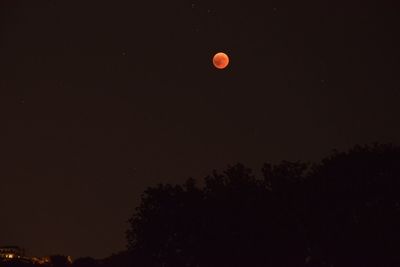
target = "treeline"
x: 343, y: 211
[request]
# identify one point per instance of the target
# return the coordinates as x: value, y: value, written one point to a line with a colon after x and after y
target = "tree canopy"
x: 342, y: 211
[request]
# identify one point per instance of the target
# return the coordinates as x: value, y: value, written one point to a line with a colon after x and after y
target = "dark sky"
x: 100, y: 99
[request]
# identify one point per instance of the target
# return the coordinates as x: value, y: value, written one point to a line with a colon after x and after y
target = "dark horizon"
x: 200, y: 182
x: 100, y: 101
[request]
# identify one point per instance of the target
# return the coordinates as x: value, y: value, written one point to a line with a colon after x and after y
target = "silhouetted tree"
x: 343, y: 211
x: 354, y: 214
x: 85, y: 262
x: 234, y: 220
x: 121, y: 259
x: 60, y: 261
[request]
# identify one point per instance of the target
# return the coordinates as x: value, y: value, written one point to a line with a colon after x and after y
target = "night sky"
x: 101, y: 99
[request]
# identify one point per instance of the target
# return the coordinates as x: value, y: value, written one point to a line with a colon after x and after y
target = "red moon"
x: 220, y: 60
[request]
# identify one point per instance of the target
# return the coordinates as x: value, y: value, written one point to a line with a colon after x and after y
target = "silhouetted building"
x: 11, y: 252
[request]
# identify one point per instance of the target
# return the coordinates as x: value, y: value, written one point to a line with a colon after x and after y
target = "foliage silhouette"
x: 343, y: 211
x: 59, y: 261
x: 85, y: 262
x: 234, y: 220
x: 121, y: 259
x: 354, y: 207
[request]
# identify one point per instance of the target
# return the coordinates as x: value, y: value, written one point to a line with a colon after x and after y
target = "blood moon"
x: 220, y: 60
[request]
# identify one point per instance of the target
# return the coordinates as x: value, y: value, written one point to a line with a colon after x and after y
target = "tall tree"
x: 354, y: 214
x: 343, y: 211
x: 234, y: 220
